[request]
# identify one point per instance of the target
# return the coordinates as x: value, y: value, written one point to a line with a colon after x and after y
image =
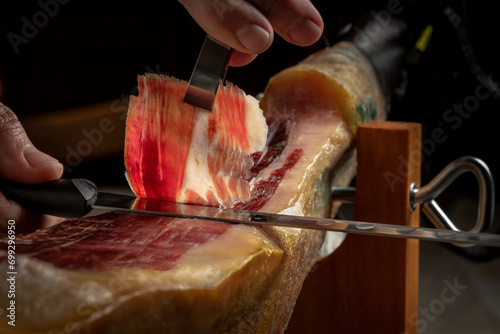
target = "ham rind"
x: 124, y: 273
x: 179, y: 153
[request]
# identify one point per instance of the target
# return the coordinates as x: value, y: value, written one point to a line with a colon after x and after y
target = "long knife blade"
x: 72, y: 198
x: 109, y: 201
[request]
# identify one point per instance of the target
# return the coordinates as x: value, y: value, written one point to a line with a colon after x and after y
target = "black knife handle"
x: 67, y: 198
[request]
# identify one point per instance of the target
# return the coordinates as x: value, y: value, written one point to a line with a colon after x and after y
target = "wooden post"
x: 370, y: 284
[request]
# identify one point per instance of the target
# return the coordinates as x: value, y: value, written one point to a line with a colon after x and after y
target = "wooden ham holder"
x: 370, y: 284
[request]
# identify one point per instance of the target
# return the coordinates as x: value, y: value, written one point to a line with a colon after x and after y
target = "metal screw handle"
x: 427, y: 194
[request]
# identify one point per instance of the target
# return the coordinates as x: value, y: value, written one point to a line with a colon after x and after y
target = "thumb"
x: 20, y: 160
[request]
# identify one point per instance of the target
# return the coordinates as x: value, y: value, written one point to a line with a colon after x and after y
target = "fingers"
x: 25, y: 221
x: 236, y: 23
x: 20, y: 160
x: 241, y: 59
x: 248, y: 25
x: 297, y: 21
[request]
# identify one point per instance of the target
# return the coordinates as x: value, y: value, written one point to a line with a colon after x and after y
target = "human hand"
x: 248, y: 25
x: 21, y: 162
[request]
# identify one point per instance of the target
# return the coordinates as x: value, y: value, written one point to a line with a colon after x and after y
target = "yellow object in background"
x: 424, y: 38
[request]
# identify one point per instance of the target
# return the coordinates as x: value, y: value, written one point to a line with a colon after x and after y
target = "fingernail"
x: 253, y: 37
x: 38, y: 159
x: 304, y: 32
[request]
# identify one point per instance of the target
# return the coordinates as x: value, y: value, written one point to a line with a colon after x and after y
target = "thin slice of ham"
x: 123, y: 273
x: 180, y: 153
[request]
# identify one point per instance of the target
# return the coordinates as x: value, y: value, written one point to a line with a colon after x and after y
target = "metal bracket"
x: 426, y: 195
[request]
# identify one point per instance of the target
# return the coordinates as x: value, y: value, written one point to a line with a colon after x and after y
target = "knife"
x: 210, y: 69
x: 74, y: 198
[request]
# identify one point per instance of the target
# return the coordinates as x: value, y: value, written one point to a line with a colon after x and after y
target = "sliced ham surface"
x: 126, y: 273
x: 123, y: 273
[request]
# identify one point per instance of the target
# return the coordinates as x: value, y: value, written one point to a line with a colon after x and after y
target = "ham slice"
x: 179, y: 153
x: 124, y: 273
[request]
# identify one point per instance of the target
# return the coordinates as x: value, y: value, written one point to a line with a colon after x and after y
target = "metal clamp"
x: 427, y: 194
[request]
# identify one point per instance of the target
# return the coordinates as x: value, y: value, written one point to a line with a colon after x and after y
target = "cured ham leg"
x: 123, y: 273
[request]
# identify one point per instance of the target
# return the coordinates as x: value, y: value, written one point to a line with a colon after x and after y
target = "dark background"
x: 91, y: 51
